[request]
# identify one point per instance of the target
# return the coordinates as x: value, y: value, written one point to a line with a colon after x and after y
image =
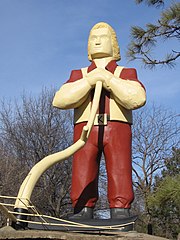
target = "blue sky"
x: 43, y: 40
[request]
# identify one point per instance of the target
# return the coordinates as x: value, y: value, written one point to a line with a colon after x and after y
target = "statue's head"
x: 103, y: 42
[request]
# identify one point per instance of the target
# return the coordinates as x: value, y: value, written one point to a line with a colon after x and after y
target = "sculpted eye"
x: 93, y: 38
x: 104, y: 37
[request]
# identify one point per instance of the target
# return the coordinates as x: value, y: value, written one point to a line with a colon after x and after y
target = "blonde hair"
x: 115, y: 45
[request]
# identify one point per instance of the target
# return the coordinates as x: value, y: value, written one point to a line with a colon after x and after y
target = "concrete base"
x: 10, y: 233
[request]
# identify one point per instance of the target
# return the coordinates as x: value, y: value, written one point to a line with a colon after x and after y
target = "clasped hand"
x: 99, y: 74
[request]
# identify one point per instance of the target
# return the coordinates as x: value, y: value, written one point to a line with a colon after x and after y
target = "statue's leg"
x: 85, y: 169
x: 117, y: 150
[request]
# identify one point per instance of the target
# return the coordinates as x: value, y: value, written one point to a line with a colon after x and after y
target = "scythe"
x: 25, y: 191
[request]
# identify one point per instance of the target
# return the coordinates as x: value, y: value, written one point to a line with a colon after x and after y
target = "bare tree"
x: 155, y: 132
x: 34, y: 129
x: 102, y: 207
x: 8, y: 175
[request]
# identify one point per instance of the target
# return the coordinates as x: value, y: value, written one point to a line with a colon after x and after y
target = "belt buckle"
x: 100, y: 119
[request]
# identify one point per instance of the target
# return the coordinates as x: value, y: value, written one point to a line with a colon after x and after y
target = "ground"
x: 9, y: 233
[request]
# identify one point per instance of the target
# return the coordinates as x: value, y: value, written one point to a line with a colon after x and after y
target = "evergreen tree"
x: 172, y: 165
x: 145, y: 39
x: 164, y: 201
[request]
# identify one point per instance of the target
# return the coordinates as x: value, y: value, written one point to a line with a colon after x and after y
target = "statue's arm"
x: 73, y: 93
x: 128, y: 91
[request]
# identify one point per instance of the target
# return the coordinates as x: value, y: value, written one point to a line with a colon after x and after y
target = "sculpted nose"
x: 98, y: 41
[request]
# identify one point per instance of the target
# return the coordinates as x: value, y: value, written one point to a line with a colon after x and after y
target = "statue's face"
x: 100, y: 43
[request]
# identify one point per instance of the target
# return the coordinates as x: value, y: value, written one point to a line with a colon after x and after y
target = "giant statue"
x: 111, y: 134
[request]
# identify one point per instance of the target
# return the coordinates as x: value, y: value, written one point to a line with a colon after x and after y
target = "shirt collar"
x: 111, y: 66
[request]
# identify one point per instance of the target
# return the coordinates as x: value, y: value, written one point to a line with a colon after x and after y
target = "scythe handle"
x: 25, y: 191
